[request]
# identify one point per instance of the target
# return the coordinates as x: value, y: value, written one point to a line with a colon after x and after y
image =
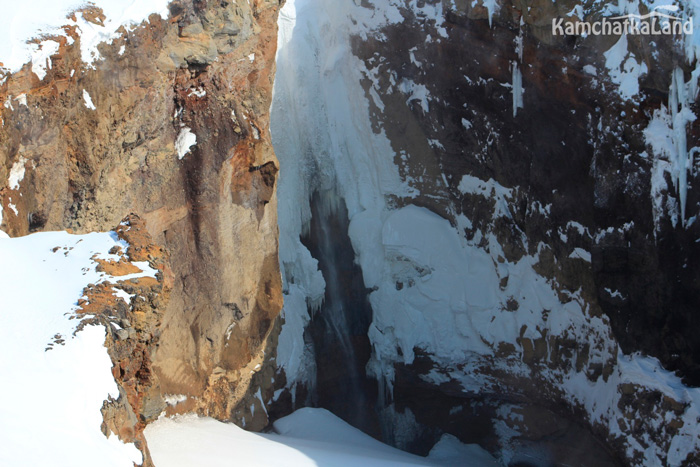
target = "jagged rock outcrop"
x: 132, y: 311
x: 169, y: 122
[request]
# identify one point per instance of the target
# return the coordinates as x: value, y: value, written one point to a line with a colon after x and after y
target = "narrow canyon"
x: 447, y: 227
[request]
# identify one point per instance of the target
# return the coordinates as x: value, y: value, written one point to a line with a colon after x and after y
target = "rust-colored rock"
x: 208, y: 67
x: 133, y: 331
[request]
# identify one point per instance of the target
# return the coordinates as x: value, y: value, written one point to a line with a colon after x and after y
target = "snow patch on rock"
x: 41, y: 57
x: 88, y: 100
x: 624, y: 69
x: 17, y: 173
x: 184, y: 142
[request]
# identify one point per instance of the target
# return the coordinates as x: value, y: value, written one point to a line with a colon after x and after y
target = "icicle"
x: 517, y: 89
x: 679, y: 100
x: 517, y: 86
x: 314, y: 304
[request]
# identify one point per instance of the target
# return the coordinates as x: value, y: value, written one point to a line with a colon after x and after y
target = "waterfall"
x: 337, y: 174
x: 339, y: 328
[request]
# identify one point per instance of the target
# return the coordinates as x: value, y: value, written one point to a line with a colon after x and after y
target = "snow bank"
x: 452, y: 451
x: 21, y: 22
x: 308, y: 437
x: 53, y: 383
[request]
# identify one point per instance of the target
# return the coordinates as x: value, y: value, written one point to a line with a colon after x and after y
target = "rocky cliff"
x: 169, y: 120
x: 131, y: 310
x: 486, y: 230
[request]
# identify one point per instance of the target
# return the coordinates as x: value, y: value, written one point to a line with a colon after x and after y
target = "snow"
x: 614, y: 293
x: 16, y: 173
x: 416, y: 92
x: 88, y: 100
x: 198, y: 92
x: 20, y: 23
x: 623, y: 68
x: 189, y: 440
x: 488, y: 189
x: 184, y: 142
x: 124, y: 295
x: 41, y: 57
x: 590, y: 70
x: 174, y: 399
x: 307, y: 437
x: 602, y: 400
x: 53, y: 397
x: 580, y: 253
x: 451, y: 303
x: 452, y: 451
x: 578, y: 227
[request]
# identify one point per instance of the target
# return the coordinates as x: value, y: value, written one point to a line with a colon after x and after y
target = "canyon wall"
x: 521, y: 207
x: 168, y: 119
x: 485, y: 229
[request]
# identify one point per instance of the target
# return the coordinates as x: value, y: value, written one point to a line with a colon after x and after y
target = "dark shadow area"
x: 339, y: 328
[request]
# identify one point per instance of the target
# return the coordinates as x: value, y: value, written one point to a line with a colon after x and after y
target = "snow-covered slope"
x: 308, y: 437
x: 54, y: 379
x: 23, y: 21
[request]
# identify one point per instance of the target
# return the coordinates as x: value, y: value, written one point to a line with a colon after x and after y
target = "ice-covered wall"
x: 323, y: 138
x: 492, y: 322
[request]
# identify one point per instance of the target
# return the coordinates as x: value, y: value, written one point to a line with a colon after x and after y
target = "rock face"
x: 580, y: 176
x: 132, y: 311
x: 88, y: 144
x: 519, y: 216
x: 487, y: 217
